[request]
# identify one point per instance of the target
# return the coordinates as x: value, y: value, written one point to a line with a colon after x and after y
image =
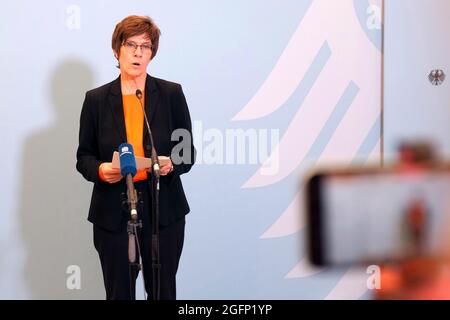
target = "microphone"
x: 154, y: 156
x: 128, y: 170
x: 139, y: 94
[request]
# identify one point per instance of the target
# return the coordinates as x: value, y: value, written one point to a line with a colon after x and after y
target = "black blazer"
x: 102, y: 130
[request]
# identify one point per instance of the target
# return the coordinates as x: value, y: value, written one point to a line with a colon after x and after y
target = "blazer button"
x: 147, y: 147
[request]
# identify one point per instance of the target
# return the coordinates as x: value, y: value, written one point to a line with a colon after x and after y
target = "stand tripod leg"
x: 134, y: 256
x: 133, y: 276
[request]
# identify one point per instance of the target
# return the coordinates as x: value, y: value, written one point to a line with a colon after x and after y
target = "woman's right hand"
x: 109, y: 174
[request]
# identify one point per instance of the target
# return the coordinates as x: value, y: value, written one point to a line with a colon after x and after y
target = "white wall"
x: 417, y: 41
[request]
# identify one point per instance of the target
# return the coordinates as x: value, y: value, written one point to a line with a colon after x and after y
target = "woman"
x: 111, y: 115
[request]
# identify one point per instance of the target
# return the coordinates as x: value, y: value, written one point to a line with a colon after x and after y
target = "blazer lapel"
x: 151, y: 98
x: 116, y: 105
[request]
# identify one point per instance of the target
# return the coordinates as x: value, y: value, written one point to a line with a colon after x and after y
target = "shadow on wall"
x: 55, y: 198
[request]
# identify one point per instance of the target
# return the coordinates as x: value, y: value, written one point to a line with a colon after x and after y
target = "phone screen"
x: 374, y: 216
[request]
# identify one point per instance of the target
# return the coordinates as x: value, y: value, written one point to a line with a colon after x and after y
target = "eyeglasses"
x: 132, y: 46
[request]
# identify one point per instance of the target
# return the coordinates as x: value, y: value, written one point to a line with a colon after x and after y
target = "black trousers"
x: 112, y: 248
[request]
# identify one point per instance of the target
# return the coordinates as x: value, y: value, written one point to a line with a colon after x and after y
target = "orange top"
x: 134, y: 125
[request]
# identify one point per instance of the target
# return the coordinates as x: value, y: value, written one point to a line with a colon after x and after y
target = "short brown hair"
x: 132, y: 26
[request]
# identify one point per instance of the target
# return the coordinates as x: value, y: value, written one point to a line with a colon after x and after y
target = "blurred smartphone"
x: 364, y: 215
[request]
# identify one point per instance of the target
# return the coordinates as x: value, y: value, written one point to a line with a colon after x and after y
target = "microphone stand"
x: 156, y: 263
x: 133, y: 225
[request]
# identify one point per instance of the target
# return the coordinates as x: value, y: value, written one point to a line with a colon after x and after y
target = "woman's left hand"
x: 166, y: 168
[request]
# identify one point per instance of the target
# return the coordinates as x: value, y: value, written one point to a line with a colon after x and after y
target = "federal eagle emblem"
x: 436, y: 77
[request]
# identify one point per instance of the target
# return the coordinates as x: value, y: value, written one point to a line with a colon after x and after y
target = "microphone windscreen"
x: 139, y: 93
x: 127, y: 160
